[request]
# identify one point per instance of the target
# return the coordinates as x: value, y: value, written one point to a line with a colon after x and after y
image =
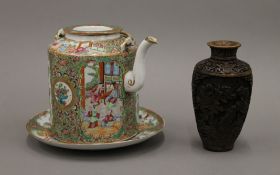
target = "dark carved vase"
x: 221, y: 90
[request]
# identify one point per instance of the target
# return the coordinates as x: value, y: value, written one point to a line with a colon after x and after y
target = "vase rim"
x: 227, y: 44
x: 92, y: 30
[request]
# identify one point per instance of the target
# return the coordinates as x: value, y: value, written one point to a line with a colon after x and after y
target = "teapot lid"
x: 92, y: 30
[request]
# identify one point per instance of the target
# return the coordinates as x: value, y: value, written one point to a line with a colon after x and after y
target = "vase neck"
x: 223, y: 53
x: 223, y: 49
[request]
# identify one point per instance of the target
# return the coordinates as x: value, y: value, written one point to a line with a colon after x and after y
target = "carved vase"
x: 221, y: 90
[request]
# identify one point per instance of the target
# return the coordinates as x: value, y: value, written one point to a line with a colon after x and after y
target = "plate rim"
x: 99, y: 146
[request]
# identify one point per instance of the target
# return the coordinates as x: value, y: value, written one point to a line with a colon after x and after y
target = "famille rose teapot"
x: 95, y: 72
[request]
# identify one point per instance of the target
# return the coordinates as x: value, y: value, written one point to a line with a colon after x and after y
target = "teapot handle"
x: 125, y: 34
x: 60, y: 34
x: 128, y: 42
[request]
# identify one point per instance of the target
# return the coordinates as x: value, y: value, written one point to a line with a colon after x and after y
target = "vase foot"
x: 214, y: 148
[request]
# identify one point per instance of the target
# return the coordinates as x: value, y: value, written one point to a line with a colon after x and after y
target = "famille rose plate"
x: 149, y: 125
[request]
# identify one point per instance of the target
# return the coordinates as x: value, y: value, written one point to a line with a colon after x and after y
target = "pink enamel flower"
x: 63, y: 62
x: 80, y: 49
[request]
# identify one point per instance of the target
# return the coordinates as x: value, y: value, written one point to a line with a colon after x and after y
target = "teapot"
x: 95, y: 72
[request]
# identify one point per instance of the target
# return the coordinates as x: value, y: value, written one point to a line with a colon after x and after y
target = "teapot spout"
x: 134, y: 80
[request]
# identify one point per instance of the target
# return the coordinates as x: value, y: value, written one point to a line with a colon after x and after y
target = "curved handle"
x: 126, y: 34
x: 60, y: 34
x: 128, y: 42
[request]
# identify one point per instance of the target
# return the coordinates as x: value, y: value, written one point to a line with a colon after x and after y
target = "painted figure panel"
x: 102, y: 100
